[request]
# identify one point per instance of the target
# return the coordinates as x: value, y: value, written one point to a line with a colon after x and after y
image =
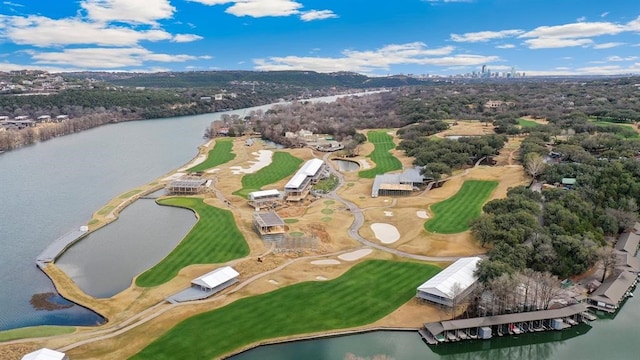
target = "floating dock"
x: 59, y: 245
x: 509, y: 324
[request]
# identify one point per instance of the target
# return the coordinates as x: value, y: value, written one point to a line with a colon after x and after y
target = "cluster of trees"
x: 441, y: 156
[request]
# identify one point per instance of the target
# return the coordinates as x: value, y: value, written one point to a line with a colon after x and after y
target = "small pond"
x: 347, y: 165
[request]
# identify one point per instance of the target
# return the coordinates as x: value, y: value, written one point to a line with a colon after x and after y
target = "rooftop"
x: 613, y: 288
x: 216, y: 277
x: 460, y: 274
x: 268, y: 219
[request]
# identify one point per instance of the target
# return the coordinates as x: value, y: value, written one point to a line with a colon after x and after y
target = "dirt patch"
x: 47, y: 301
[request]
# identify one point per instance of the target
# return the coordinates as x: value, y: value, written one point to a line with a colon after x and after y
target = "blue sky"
x: 437, y: 37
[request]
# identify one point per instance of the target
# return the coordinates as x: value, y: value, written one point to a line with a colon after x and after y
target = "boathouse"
x: 628, y: 242
x: 310, y: 173
x: 269, y: 226
x: 609, y: 296
x: 509, y: 324
x: 452, y: 284
x: 264, y: 199
x: 186, y: 186
x: 401, y: 184
x: 45, y: 354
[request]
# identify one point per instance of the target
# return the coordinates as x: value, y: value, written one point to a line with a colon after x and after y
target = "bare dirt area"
x: 467, y: 128
x: 509, y: 154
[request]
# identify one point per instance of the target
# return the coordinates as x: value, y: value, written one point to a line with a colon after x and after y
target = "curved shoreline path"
x: 358, y: 222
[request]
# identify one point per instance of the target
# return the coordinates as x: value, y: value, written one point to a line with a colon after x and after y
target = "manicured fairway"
x: 384, y: 160
x: 213, y: 239
x: 220, y: 154
x: 282, y: 166
x: 35, y: 332
x: 527, y: 123
x: 453, y: 215
x: 363, y: 295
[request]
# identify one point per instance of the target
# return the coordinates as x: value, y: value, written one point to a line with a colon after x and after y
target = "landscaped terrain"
x: 220, y: 154
x: 215, y: 238
x: 453, y: 215
x: 385, y: 161
x: 367, y: 292
x: 282, y: 165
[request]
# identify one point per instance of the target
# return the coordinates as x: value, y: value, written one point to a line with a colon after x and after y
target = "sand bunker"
x: 325, y: 262
x: 386, y: 233
x: 321, y: 278
x: 198, y: 160
x: 388, y: 213
x: 274, y: 282
x: 355, y: 255
x: 364, y: 164
x: 212, y: 171
x: 175, y: 176
x: 263, y: 159
x: 422, y: 214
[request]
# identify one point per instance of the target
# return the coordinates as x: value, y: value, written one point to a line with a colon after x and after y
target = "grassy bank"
x: 220, y: 154
x: 213, y: 239
x: 366, y: 293
x: 384, y: 160
x: 453, y: 215
x: 527, y: 123
x: 35, y: 332
x: 282, y: 166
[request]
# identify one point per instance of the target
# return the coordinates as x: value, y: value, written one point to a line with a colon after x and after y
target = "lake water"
x: 346, y: 165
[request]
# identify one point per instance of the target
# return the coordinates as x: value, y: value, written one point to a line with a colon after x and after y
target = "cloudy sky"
x: 374, y: 37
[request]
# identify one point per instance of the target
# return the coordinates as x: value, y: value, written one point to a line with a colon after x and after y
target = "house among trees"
x: 450, y: 286
x: 43, y: 118
x: 45, y: 354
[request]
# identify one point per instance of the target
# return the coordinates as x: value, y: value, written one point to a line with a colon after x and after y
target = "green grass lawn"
x: 213, y: 239
x: 364, y: 294
x: 453, y: 215
x: 220, y: 154
x: 282, y: 165
x: 130, y: 194
x: 527, y: 123
x: 384, y: 160
x: 35, y: 332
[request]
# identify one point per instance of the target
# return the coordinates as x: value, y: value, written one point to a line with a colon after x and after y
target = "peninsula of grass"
x: 129, y: 194
x: 220, y: 154
x: 384, y: 160
x: 105, y: 210
x: 215, y: 238
x: 366, y: 293
x: 35, y: 332
x: 453, y: 215
x: 527, y: 123
x: 282, y: 165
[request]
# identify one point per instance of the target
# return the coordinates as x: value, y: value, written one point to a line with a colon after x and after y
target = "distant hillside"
x: 212, y: 79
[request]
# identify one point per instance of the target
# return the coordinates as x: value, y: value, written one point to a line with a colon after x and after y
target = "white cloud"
x: 317, y: 15
x: 368, y: 61
x: 106, y: 58
x: 553, y: 43
x: 581, y: 19
x: 9, y: 3
x: 181, y: 38
x: 619, y: 58
x: 483, y: 36
x: 604, y: 14
x: 128, y: 11
x: 575, y: 30
x: 42, y: 32
x: 505, y: 46
x: 608, y: 45
x: 257, y: 8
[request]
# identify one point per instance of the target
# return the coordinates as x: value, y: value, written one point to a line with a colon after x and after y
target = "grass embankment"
x: 527, y: 123
x: 220, y: 154
x: 282, y: 165
x: 453, y: 215
x: 384, y: 160
x: 35, y: 332
x: 366, y: 293
x: 213, y: 239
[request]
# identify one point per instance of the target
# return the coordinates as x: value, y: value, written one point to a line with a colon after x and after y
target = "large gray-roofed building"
x: 626, y: 261
x: 612, y: 291
x: 397, y: 184
x: 628, y: 242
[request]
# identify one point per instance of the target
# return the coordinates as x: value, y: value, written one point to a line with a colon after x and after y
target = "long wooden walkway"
x: 51, y: 252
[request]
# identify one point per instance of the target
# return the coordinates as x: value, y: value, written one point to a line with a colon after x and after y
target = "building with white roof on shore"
x: 452, y: 284
x: 217, y: 280
x: 45, y: 354
x: 298, y: 187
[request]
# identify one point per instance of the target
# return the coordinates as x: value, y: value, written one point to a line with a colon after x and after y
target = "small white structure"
x: 264, y: 198
x: 217, y: 280
x: 452, y: 284
x: 45, y: 354
x: 298, y: 187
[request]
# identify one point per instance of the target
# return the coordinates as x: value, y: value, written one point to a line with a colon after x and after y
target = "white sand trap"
x: 325, y: 262
x: 386, y: 233
x: 364, y: 164
x: 389, y: 132
x: 175, y: 176
x: 211, y: 171
x: 321, y: 278
x: 355, y: 255
x: 388, y: 213
x: 198, y: 160
x: 274, y: 282
x: 422, y: 214
x: 263, y: 159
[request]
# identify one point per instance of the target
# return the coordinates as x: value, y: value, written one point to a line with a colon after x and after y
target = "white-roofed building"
x: 217, y: 280
x: 45, y: 354
x: 264, y: 198
x: 451, y: 284
x: 298, y: 187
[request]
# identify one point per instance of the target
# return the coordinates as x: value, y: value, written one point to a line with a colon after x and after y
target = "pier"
x: 509, y: 324
x: 59, y: 245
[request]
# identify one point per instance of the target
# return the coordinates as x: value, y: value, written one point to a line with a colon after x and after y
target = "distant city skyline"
x: 418, y: 37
